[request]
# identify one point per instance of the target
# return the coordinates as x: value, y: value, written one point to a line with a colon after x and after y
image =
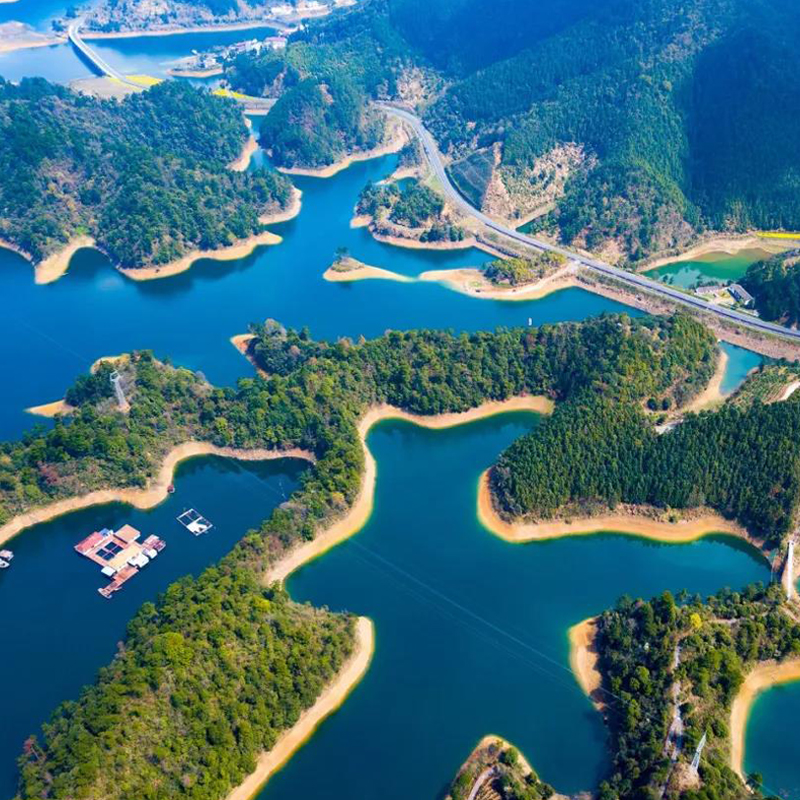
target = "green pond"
x: 715, y: 267
x: 471, y: 631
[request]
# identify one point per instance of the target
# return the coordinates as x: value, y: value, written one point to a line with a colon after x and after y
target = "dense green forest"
x: 519, y: 271
x: 775, y: 286
x: 312, y: 397
x: 145, y: 177
x: 319, y: 121
x: 743, y: 461
x: 719, y: 641
x: 412, y: 205
x: 680, y: 115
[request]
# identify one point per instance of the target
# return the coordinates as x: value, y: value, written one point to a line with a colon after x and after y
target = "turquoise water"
x: 716, y: 267
x: 470, y: 630
x: 740, y: 363
x: 772, y: 745
x: 57, y: 631
x: 51, y: 333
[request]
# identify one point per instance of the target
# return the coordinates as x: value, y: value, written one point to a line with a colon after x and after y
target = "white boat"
x: 6, y: 555
x: 4, y: 564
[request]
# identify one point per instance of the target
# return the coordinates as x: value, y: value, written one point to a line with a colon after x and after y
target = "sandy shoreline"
x: 155, y: 492
x: 584, y: 659
x: 680, y: 532
x: 472, y: 282
x: 361, y: 272
x: 331, y: 698
x: 290, y: 212
x: 396, y: 142
x: 758, y: 680
x: 712, y: 395
x: 53, y: 409
x: 243, y: 162
x: 415, y: 244
x: 241, y: 342
x: 359, y: 513
x: 55, y: 266
x: 241, y: 249
x: 724, y: 245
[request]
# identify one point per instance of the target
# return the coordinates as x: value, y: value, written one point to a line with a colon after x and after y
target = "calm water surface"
x: 716, y: 267
x: 771, y: 745
x: 51, y: 333
x: 58, y: 631
x: 471, y: 632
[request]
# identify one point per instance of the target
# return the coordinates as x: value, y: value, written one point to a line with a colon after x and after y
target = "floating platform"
x: 119, y: 554
x: 194, y: 522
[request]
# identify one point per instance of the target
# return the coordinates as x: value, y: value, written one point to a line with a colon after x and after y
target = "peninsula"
x: 619, y: 359
x: 133, y: 180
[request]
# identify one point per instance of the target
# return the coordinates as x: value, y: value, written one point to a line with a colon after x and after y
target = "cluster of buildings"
x: 726, y: 295
x: 120, y: 554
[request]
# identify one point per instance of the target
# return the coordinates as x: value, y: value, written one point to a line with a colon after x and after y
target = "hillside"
x: 147, y: 178
x: 775, y: 286
x: 623, y: 127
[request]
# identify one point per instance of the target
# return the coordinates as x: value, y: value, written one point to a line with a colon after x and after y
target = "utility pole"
x: 698, y: 753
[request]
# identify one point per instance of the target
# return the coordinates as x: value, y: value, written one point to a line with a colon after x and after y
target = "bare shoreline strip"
x: 584, y: 659
x: 331, y: 699
x: 681, y: 532
x: 762, y: 677
x: 150, y: 496
x: 54, y: 409
x: 361, y: 510
x: 243, y: 161
x: 395, y: 144
x: 724, y: 245
x: 712, y: 394
x: 240, y: 249
x: 54, y: 266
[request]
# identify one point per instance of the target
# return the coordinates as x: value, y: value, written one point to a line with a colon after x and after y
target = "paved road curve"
x: 639, y: 281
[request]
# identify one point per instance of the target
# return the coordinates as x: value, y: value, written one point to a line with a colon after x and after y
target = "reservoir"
x: 58, y: 630
x: 471, y: 631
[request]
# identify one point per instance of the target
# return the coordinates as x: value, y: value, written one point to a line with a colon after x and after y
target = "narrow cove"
x: 471, y: 632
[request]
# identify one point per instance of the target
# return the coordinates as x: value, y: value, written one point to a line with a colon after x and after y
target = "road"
x: 102, y: 66
x: 637, y: 281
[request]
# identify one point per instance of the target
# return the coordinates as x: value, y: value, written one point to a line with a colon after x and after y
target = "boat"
x: 171, y: 488
x: 4, y: 564
x: 6, y: 555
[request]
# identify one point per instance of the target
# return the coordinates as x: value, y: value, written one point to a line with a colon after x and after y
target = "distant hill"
x: 624, y: 126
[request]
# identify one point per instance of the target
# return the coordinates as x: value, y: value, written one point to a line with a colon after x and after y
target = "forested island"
x: 620, y: 127
x: 145, y: 179
x: 707, y: 649
x: 412, y: 212
x: 311, y: 396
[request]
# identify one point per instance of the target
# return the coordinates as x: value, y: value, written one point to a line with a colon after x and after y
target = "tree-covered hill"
x: 643, y: 122
x: 146, y: 178
x: 775, y: 286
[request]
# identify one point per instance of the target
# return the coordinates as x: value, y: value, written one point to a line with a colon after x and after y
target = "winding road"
x: 630, y: 278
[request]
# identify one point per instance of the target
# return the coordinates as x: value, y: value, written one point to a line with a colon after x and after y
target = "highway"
x: 631, y: 278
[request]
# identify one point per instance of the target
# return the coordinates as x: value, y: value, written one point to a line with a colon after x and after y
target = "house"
x: 740, y: 294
